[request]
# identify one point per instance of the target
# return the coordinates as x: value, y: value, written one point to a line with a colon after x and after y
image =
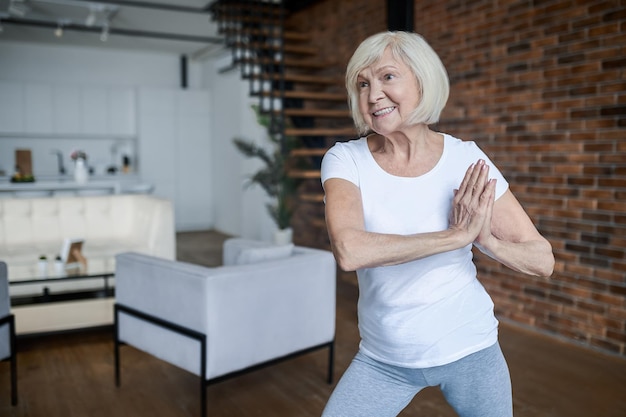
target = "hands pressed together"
x: 472, y: 204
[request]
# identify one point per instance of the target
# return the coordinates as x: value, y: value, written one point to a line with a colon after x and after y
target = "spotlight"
x: 90, y: 20
x: 104, y: 36
x: 18, y: 8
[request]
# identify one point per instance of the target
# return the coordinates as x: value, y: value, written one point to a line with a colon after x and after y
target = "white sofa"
x: 110, y: 224
x: 264, y: 304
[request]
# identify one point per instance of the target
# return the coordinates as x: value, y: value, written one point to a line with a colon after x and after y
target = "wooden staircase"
x: 294, y: 88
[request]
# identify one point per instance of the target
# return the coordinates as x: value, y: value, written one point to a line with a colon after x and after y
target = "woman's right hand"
x: 472, y: 202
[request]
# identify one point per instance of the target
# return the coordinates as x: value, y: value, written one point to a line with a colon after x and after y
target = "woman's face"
x: 388, y: 94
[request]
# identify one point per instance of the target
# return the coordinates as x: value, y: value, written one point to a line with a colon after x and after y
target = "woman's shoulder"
x: 460, y: 147
x: 353, y: 146
x: 455, y: 142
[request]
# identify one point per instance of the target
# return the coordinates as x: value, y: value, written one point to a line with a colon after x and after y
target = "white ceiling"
x: 180, y: 26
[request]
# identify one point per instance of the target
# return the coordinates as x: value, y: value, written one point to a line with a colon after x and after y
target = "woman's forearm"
x: 533, y: 257
x: 359, y: 249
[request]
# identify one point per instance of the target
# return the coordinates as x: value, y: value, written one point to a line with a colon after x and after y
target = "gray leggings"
x: 477, y: 385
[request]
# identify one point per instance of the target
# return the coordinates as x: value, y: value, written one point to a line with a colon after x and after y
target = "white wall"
x: 75, y: 65
x: 239, y: 210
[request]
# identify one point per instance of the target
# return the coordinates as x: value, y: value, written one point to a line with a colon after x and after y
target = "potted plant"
x: 273, y: 177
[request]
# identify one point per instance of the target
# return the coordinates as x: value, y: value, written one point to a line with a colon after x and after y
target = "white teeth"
x: 383, y: 111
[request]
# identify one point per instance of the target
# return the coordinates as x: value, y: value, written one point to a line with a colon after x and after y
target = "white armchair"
x: 7, y: 331
x: 266, y: 303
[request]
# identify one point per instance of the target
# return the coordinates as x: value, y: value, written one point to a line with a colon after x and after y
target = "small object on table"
x: 71, y: 253
x: 59, y: 266
x: 42, y: 266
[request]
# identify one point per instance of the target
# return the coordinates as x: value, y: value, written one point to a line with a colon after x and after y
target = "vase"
x: 42, y: 267
x: 283, y: 236
x: 80, y: 171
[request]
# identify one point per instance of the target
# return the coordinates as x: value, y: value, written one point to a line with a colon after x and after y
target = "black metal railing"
x: 254, y: 32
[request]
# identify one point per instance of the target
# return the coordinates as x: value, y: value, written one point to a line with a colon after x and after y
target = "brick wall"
x: 541, y: 87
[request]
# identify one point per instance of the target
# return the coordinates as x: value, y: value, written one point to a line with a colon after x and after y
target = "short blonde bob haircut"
x: 413, y: 51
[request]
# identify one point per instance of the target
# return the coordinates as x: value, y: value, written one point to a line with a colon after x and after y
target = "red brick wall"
x: 541, y: 87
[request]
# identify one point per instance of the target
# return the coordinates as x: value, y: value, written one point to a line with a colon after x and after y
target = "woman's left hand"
x: 472, y: 204
x: 485, y: 232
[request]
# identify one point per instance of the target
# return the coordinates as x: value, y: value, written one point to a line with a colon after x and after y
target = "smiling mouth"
x: 384, y: 111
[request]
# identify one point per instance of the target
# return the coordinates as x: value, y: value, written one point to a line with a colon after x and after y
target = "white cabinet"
x: 121, y: 112
x: 11, y: 107
x: 175, y: 152
x: 194, y: 167
x: 157, y: 141
x: 67, y: 110
x: 38, y: 108
x: 94, y: 111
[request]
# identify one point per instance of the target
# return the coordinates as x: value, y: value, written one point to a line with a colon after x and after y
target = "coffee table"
x: 51, y: 300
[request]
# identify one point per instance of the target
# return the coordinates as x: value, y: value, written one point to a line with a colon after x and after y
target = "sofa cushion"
x: 262, y: 254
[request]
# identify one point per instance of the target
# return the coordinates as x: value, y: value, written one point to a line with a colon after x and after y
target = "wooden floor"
x: 72, y: 374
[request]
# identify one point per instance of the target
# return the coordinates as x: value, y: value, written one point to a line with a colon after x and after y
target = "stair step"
x: 311, y: 197
x: 347, y: 132
x: 247, y: 6
x: 306, y: 95
x: 288, y: 48
x: 247, y: 20
x: 322, y: 113
x: 319, y: 223
x: 289, y: 63
x: 298, y: 78
x: 269, y: 33
x: 304, y: 174
x: 300, y: 152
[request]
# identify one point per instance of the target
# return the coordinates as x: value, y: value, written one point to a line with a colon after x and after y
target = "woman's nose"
x: 376, y: 92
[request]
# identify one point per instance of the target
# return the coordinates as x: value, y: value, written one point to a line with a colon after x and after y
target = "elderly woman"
x: 404, y: 205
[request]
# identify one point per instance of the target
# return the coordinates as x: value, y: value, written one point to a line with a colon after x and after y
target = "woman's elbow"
x: 344, y: 257
x: 546, y: 267
x: 344, y: 261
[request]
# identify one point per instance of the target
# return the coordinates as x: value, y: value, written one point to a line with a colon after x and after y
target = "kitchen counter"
x: 49, y: 188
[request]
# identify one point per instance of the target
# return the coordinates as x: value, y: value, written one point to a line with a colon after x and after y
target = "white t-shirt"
x: 431, y: 311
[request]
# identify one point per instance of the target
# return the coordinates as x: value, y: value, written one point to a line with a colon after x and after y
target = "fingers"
x: 471, y: 204
x: 466, y: 180
x: 474, y: 182
x: 480, y: 177
x: 487, y: 201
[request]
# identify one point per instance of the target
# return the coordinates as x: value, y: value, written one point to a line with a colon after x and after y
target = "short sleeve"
x: 338, y: 162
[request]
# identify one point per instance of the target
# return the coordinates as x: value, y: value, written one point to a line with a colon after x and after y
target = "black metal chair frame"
x: 10, y: 320
x: 201, y: 338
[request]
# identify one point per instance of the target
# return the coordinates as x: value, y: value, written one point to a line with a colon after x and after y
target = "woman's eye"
x: 363, y: 84
x: 388, y: 77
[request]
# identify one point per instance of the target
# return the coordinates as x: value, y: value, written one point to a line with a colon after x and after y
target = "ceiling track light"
x: 58, y: 32
x: 18, y: 8
x: 90, y: 20
x: 104, y: 36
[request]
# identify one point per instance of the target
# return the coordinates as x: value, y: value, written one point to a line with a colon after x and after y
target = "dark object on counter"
x: 125, y: 164
x: 23, y: 178
x: 111, y: 170
x: 19, y: 177
x: 60, y: 166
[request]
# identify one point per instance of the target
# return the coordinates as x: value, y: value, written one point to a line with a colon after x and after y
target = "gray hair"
x: 423, y: 61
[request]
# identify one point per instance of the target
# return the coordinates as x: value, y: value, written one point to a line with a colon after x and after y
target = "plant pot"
x: 283, y: 236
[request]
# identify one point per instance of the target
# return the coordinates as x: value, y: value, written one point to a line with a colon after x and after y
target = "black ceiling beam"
x: 148, y: 5
x: 113, y: 31
x: 400, y: 15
